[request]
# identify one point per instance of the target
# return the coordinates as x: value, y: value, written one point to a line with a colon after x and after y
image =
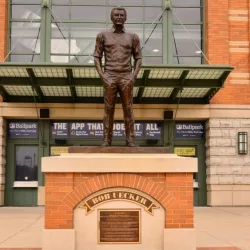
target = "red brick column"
x: 227, y: 42
x: 65, y: 191
x: 3, y: 30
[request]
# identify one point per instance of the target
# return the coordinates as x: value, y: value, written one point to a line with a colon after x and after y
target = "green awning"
x: 75, y: 83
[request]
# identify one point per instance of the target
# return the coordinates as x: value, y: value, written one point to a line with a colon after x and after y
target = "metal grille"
x: 205, y: 74
x: 85, y: 73
x: 193, y: 92
x: 165, y: 74
x: 89, y: 91
x: 140, y: 74
x: 56, y: 91
x: 157, y: 92
x: 20, y: 90
x: 13, y: 72
x: 50, y: 72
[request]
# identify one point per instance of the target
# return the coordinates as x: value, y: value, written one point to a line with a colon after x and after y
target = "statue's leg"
x: 110, y: 95
x: 126, y: 94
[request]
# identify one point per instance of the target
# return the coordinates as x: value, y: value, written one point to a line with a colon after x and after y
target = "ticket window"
x: 188, y: 152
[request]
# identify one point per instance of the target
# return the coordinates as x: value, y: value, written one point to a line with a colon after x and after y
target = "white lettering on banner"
x: 190, y: 127
x: 137, y: 126
x: 25, y: 125
x: 95, y: 126
x: 58, y: 126
x: 119, y: 126
x: 152, y: 127
x: 77, y: 126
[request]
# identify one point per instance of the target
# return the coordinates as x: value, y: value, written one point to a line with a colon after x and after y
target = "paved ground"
x: 217, y: 228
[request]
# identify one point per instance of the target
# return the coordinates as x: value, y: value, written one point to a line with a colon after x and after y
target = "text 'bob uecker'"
x: 92, y: 202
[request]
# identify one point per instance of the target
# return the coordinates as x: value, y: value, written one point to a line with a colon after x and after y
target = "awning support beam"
x: 71, y: 84
x: 32, y: 80
x: 182, y: 80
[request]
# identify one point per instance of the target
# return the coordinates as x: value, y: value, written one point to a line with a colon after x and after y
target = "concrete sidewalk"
x: 227, y: 228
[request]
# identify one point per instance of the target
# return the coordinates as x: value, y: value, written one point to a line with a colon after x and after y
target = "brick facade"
x: 227, y: 42
x: 64, y: 191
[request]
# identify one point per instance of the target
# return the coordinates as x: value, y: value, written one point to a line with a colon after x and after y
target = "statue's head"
x: 118, y: 15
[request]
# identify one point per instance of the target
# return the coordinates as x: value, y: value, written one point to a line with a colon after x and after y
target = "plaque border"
x: 121, y: 209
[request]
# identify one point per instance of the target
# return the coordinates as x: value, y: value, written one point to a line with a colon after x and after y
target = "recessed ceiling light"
x: 156, y: 50
x: 198, y: 52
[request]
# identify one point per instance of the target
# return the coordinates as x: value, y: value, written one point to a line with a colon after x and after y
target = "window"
x: 190, y: 14
x: 25, y: 33
x: 26, y: 163
x: 76, y: 23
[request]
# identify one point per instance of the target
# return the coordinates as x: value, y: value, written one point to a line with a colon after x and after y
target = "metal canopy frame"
x: 74, y: 83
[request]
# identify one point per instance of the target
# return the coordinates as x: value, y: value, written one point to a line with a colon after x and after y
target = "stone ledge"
x: 119, y: 163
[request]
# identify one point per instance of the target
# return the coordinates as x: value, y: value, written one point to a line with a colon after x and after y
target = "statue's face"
x: 118, y: 17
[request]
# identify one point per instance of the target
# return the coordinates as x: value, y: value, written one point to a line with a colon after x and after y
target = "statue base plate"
x: 119, y: 150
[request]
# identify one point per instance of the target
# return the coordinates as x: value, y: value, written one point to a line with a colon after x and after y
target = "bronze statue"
x: 118, y: 47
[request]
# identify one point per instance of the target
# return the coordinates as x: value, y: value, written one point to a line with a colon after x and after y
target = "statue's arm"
x: 98, y: 54
x: 137, y: 56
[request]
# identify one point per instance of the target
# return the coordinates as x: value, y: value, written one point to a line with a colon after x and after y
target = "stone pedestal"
x: 157, y: 186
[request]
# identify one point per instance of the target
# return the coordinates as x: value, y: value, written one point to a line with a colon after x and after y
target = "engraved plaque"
x: 119, y: 226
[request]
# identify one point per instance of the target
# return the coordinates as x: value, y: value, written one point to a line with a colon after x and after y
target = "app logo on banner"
x: 22, y: 129
x: 190, y: 130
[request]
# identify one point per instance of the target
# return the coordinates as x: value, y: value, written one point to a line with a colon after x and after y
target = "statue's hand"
x: 105, y: 80
x: 132, y: 79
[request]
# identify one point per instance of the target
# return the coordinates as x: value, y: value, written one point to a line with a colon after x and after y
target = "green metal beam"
x: 149, y: 67
x: 32, y: 80
x: 71, y: 84
x: 176, y: 91
x: 169, y: 31
x: 144, y: 82
x: 55, y: 99
x: 96, y: 82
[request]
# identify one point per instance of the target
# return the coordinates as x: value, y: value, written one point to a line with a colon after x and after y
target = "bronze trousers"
x: 118, y: 82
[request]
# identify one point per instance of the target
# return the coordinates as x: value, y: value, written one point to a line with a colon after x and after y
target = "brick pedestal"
x: 71, y: 179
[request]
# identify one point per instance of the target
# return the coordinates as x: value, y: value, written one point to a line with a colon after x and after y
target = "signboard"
x: 86, y: 129
x: 59, y: 129
x: 119, y: 226
x: 126, y: 195
x: 153, y: 130
x: 58, y: 150
x: 18, y: 129
x: 187, y: 151
x: 81, y: 129
x: 189, y: 130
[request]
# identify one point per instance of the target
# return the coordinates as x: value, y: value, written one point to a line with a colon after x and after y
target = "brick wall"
x: 64, y: 191
x: 227, y: 42
x: 3, y: 32
x: 3, y: 28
